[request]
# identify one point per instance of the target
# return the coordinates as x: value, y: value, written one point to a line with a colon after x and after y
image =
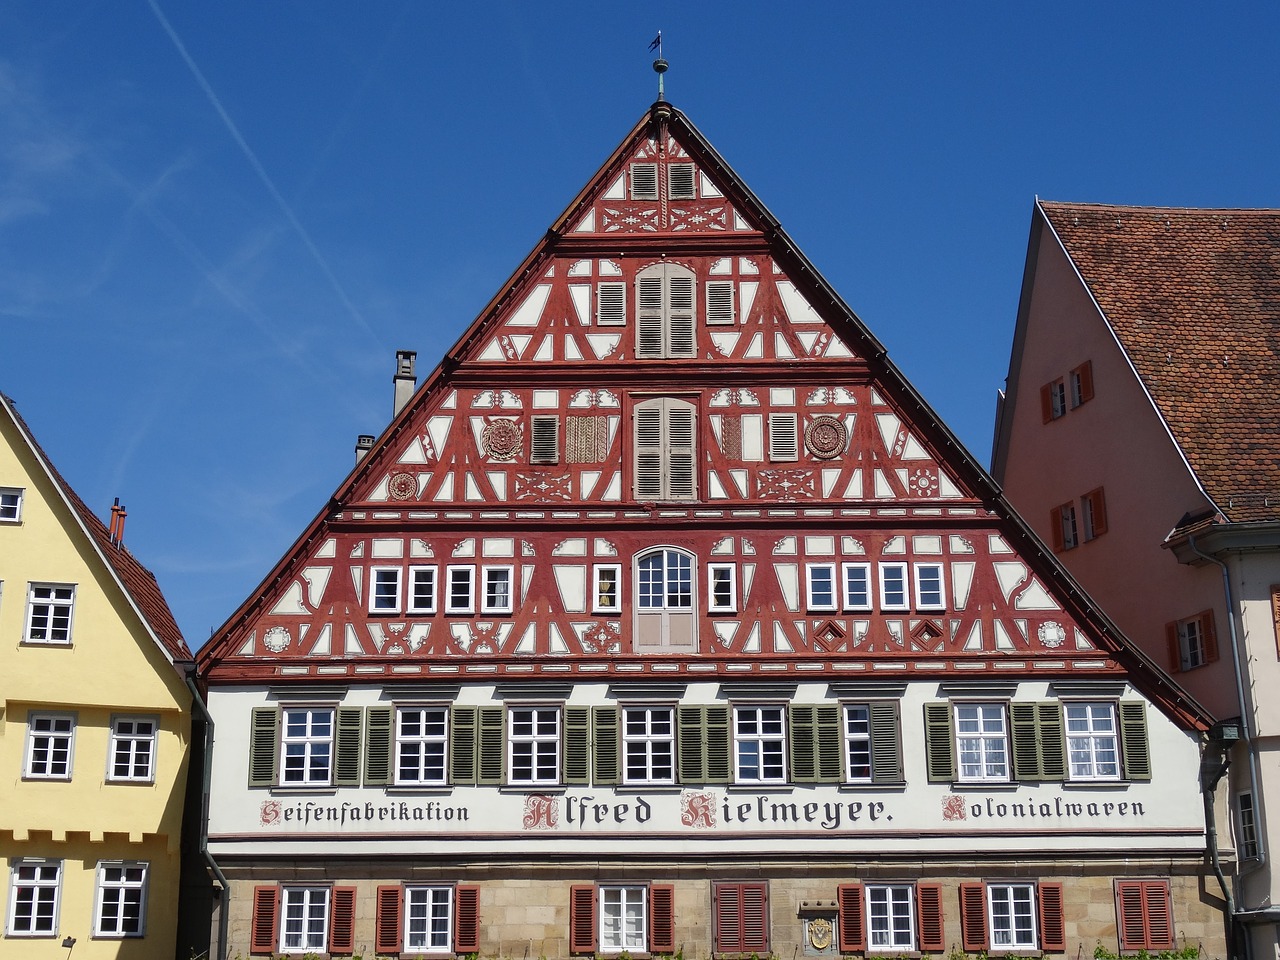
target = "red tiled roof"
x: 1193, y: 296
x: 137, y: 579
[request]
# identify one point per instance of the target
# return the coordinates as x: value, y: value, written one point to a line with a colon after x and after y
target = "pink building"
x: 1140, y: 436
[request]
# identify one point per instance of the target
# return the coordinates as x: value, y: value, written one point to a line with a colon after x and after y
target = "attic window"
x: 644, y: 181
x: 546, y: 439
x: 783, y: 444
x: 611, y: 303
x: 720, y: 302
x: 680, y: 181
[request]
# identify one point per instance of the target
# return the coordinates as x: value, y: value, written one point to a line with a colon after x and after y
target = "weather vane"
x: 659, y: 65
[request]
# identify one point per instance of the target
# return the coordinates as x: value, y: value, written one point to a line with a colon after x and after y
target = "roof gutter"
x: 224, y: 887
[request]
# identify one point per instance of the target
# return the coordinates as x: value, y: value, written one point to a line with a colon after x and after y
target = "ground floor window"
x: 35, y: 887
x: 122, y: 900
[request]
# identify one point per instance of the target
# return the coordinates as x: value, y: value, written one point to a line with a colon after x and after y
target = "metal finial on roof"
x: 660, y: 65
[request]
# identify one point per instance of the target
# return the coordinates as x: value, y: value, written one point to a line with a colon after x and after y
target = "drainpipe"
x: 224, y: 887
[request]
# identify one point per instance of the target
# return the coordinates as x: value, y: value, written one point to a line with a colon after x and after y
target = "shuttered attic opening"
x: 664, y: 449
x: 611, y: 303
x: 644, y: 181
x: 680, y: 179
x: 719, y: 302
x: 545, y: 446
x: 665, y: 312
x: 783, y: 437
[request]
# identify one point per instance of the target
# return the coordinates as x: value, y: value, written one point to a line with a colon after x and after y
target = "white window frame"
x: 1093, y: 739
x: 615, y: 299
x: 722, y: 575
x: 491, y: 577
x: 852, y: 600
x: 127, y: 889
x: 55, y: 597
x: 631, y: 182
x: 693, y: 182
x: 1068, y: 528
x: 987, y: 742
x: 830, y: 602
x: 1193, y: 651
x: 901, y: 588
x: 624, y: 918
x: 1004, y: 925
x: 760, y: 743
x: 419, y: 747
x: 311, y: 745
x: 310, y: 932
x: 50, y: 734
x: 600, y: 574
x: 11, y: 504
x: 419, y: 573
x: 891, y: 917
x: 385, y: 585
x: 544, y: 438
x: 1058, y: 399
x: 534, y: 742
x: 456, y: 574
x: 856, y: 727
x: 784, y: 437
x: 41, y: 889
x: 645, y: 743
x: 434, y: 908
x: 133, y: 741
x: 936, y: 599
x: 721, y: 303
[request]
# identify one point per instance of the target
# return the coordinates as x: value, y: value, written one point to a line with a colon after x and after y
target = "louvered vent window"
x: 644, y: 181
x: 546, y: 439
x: 719, y: 302
x: 664, y: 450
x: 665, y: 314
x: 783, y: 443
x: 680, y: 181
x: 611, y: 304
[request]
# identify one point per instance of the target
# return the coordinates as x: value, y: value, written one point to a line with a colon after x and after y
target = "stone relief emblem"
x: 402, y: 486
x: 276, y: 639
x: 502, y: 439
x: 825, y: 437
x: 820, y: 933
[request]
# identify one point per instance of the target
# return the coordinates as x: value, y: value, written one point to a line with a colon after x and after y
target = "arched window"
x: 665, y: 314
x: 664, y: 604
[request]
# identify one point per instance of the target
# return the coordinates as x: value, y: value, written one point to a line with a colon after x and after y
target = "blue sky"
x: 218, y: 221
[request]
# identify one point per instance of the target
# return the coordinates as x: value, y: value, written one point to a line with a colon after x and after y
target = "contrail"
x: 262, y: 173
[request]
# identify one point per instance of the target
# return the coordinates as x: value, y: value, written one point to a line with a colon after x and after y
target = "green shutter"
x: 886, y: 745
x: 719, y: 746
x: 264, y: 736
x: 378, y: 736
x: 462, y: 745
x: 346, y: 766
x: 604, y: 756
x: 803, y: 724
x: 492, y: 744
x: 577, y: 745
x: 1053, y: 743
x: 692, y: 744
x: 830, y: 744
x: 704, y: 743
x: 1133, y: 740
x: 1039, y: 751
x: 939, y: 742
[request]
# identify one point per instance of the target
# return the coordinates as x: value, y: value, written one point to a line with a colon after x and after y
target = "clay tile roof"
x: 137, y: 579
x: 1194, y: 298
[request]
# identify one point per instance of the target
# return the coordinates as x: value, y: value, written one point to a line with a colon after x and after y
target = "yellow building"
x: 95, y: 725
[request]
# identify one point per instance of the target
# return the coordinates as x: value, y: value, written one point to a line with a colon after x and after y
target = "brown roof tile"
x: 1194, y: 297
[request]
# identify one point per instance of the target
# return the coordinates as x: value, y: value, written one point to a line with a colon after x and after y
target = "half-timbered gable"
x: 666, y: 555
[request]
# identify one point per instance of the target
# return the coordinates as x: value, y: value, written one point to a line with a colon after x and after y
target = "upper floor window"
x: 1053, y: 400
x: 307, y: 745
x: 648, y: 743
x: 821, y: 586
x: 122, y: 900
x: 10, y: 504
x: 1093, y: 514
x: 1080, y: 384
x: 722, y: 588
x: 1246, y: 821
x: 534, y: 739
x: 49, y: 612
x: 720, y: 307
x: 930, y: 594
x: 664, y: 600
x: 497, y: 590
x: 982, y: 741
x: 35, y: 887
x: 384, y: 590
x: 1192, y: 642
x: 857, y: 586
x: 665, y: 312
x: 544, y: 446
x: 421, y: 745
x: 784, y: 443
x: 606, y: 597
x: 1062, y: 521
x: 665, y: 449
x: 461, y: 597
x: 893, y: 586
x: 759, y: 735
x: 422, y: 590
x: 611, y: 303
x: 133, y: 749
x: 50, y: 744
x: 1093, y: 745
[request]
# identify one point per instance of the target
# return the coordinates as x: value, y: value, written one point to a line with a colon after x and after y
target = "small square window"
x: 821, y: 583
x: 49, y: 612
x: 384, y: 590
x: 122, y: 900
x: 51, y: 741
x: 893, y: 586
x: 422, y: 589
x: 133, y: 749
x: 857, y: 586
x: 723, y: 588
x: 497, y: 590
x: 462, y: 590
x: 606, y: 597
x: 10, y: 504
x: 930, y: 594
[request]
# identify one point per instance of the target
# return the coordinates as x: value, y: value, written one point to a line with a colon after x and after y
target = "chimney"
x: 364, y: 443
x: 405, y: 380
x: 116, y: 531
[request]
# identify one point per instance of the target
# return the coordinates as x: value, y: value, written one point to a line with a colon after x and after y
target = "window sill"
x: 546, y: 788
x: 37, y: 778
x: 1001, y: 786
x: 62, y: 644
x: 302, y: 790
x: 630, y: 788
x: 865, y: 786
x: 1095, y: 784
x: 129, y: 783
x: 773, y: 786
x: 406, y: 789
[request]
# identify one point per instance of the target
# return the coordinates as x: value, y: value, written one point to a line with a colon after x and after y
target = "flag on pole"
x: 657, y: 41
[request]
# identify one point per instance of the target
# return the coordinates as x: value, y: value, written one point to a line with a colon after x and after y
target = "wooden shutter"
x: 1053, y: 928
x: 1084, y: 376
x: 680, y: 181
x: 379, y: 733
x: 680, y: 423
x: 755, y: 913
x: 1174, y: 647
x: 649, y: 315
x: 815, y: 743
x: 342, y: 920
x: 1046, y: 402
x: 662, y: 918
x: 704, y: 745
x: 886, y: 744
x: 582, y: 918
x: 783, y: 442
x: 545, y: 444
x: 929, y: 917
x: 577, y: 745
x: 1039, y: 749
x: 741, y: 910
x: 852, y: 920
x: 349, y: 724
x: 611, y: 303
x: 644, y: 181
x: 266, y: 917
x: 388, y: 925
x: 264, y: 738
x: 466, y: 919
x: 491, y: 741
x: 939, y: 742
x: 647, y: 444
x: 1133, y: 740
x: 605, y: 760
x: 462, y: 745
x: 973, y: 916
x: 680, y: 312
x: 1144, y: 916
x: 1210, y: 635
x: 1097, y: 502
x: 719, y: 302
x: 1055, y: 530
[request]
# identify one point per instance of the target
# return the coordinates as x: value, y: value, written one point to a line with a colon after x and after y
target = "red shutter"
x: 1084, y: 373
x: 1097, y: 511
x: 853, y: 927
x: 973, y: 916
x: 266, y: 917
x: 728, y: 918
x: 1143, y: 915
x: 1053, y: 928
x: 466, y: 919
x: 1055, y: 529
x: 1210, y: 636
x: 582, y: 918
x: 1155, y: 896
x: 741, y: 912
x: 929, y: 915
x: 342, y: 920
x: 662, y: 918
x: 1175, y: 648
x: 1046, y: 402
x: 387, y: 928
x: 755, y: 925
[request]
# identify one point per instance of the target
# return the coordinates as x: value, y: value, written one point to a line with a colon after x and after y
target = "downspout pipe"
x: 224, y: 887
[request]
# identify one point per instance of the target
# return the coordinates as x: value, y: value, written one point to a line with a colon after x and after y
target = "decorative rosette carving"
x: 825, y: 437
x: 403, y: 486
x: 501, y: 439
